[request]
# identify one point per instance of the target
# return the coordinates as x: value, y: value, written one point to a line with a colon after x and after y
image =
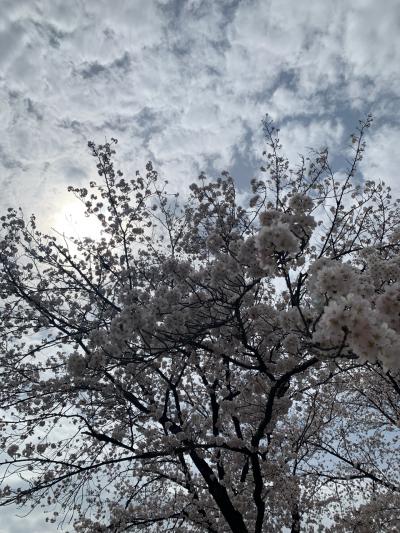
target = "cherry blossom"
x: 206, y: 364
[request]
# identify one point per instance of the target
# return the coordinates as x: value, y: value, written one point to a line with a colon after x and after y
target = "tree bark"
x: 220, y: 495
x: 295, y: 519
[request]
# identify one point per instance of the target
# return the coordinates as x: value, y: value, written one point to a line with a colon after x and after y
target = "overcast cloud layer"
x: 186, y: 84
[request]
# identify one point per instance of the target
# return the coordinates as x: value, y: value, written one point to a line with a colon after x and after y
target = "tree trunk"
x: 295, y: 519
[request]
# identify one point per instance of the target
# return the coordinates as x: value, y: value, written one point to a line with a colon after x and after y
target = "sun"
x: 70, y: 220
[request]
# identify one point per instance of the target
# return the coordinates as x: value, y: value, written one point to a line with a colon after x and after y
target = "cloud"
x: 382, y: 158
x: 184, y: 83
x: 14, y: 520
x: 367, y: 23
x: 94, y: 68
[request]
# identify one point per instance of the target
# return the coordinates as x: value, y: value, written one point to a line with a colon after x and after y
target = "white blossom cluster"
x: 276, y: 237
x: 388, y: 306
x: 285, y: 232
x: 301, y: 203
x: 76, y: 365
x: 361, y: 308
x: 380, y: 269
x: 331, y: 279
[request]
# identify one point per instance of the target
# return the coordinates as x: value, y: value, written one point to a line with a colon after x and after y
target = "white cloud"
x: 14, y: 520
x: 297, y: 137
x: 382, y: 159
x: 372, y: 40
x: 206, y: 72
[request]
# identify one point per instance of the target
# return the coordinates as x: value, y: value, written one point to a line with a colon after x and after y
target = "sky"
x: 186, y: 83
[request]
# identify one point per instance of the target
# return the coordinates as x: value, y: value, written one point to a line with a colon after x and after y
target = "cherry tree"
x: 208, y: 363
